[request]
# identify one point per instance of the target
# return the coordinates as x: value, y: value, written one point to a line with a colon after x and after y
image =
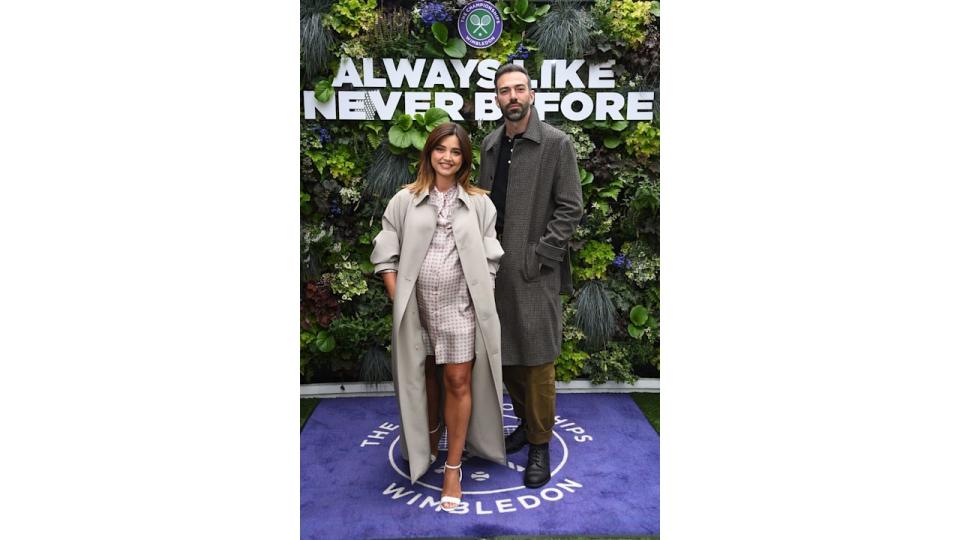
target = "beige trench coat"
x: 408, y: 225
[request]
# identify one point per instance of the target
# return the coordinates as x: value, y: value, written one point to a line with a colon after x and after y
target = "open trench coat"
x: 408, y: 226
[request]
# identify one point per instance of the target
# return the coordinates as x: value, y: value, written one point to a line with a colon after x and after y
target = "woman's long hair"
x: 426, y: 176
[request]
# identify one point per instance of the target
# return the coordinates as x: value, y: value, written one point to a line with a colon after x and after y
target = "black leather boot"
x: 516, y: 440
x: 537, y: 472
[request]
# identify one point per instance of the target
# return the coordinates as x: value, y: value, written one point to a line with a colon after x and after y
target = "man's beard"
x: 516, y: 114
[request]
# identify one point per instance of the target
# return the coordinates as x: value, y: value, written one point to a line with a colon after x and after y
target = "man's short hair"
x: 510, y: 68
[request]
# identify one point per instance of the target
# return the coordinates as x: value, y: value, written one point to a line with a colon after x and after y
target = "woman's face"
x: 447, y: 157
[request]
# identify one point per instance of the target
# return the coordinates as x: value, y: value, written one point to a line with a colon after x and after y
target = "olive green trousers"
x: 533, y: 391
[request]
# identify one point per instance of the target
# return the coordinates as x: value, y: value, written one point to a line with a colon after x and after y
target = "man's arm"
x: 568, y: 208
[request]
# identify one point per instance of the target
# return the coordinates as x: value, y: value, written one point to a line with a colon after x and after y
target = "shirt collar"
x: 420, y: 197
x: 533, y: 132
x: 505, y: 139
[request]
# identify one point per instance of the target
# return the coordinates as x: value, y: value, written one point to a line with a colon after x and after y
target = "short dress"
x: 446, y: 309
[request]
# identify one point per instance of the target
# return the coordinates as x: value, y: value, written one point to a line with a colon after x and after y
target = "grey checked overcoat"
x: 408, y: 226
x: 543, y: 207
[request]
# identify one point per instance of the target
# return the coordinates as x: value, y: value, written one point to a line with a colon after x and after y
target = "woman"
x: 438, y: 256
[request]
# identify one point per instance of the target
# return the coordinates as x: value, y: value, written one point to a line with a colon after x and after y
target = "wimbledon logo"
x: 480, y: 24
x: 489, y: 488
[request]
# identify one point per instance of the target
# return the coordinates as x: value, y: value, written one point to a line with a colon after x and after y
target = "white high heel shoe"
x: 447, y: 498
x: 433, y: 457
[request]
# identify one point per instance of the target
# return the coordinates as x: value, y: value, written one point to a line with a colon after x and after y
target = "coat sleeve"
x: 386, y: 245
x: 568, y: 207
x: 491, y: 246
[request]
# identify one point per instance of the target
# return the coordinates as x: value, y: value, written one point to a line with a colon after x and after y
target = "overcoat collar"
x: 534, y: 131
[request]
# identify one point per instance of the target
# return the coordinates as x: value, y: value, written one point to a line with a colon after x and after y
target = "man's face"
x: 514, y: 97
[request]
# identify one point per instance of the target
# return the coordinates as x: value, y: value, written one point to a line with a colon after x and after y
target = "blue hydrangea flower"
x: 522, y: 53
x: 335, y: 209
x: 431, y: 12
x: 620, y: 260
x: 323, y: 134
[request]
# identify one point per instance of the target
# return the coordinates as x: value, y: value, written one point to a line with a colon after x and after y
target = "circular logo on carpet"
x: 480, y: 24
x: 487, y: 487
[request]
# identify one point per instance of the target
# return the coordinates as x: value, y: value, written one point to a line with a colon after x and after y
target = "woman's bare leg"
x: 456, y: 411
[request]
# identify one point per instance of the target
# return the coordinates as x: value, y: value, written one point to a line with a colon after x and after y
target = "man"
x: 531, y: 171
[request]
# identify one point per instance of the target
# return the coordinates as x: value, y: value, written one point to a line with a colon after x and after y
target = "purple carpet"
x: 605, y: 458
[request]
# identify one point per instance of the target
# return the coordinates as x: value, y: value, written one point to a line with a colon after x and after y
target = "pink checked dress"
x: 446, y: 309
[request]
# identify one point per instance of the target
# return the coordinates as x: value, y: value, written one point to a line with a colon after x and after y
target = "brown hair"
x: 426, y: 176
x: 510, y: 68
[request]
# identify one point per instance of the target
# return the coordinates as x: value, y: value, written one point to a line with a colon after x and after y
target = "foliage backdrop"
x: 350, y: 169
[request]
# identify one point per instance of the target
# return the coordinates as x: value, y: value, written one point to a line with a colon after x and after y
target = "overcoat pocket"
x: 531, y: 263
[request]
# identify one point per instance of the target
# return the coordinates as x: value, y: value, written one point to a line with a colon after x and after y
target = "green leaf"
x: 610, y: 193
x: 586, y: 177
x: 405, y: 122
x: 528, y: 19
x: 419, y: 139
x: 612, y: 141
x: 400, y: 137
x: 507, y: 10
x: 419, y: 120
x: 655, y: 8
x: 634, y: 331
x: 619, y: 125
x: 325, y: 341
x: 543, y: 9
x: 323, y: 91
x: 521, y: 6
x: 440, y: 32
x: 433, y: 51
x: 375, y: 127
x: 434, y: 117
x: 367, y: 267
x: 639, y: 315
x: 653, y: 323
x: 456, y: 48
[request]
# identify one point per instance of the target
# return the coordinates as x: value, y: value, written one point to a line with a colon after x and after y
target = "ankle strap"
x: 434, y: 430
x: 457, y: 466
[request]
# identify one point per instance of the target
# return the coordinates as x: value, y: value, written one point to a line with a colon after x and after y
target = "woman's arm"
x: 390, y: 281
x: 386, y: 248
x: 491, y: 247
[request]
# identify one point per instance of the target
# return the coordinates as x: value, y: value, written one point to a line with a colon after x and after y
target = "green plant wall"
x: 350, y: 169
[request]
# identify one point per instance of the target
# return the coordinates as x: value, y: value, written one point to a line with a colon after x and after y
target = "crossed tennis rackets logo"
x: 480, y: 24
